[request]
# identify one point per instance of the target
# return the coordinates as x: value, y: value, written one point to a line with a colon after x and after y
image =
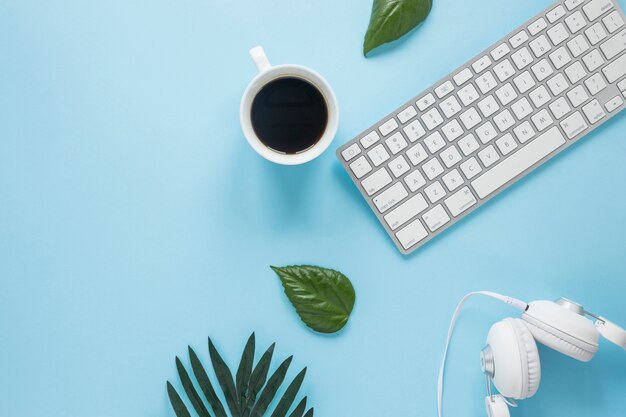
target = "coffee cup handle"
x: 260, y: 59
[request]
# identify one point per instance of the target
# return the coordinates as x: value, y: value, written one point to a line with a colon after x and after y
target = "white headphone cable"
x: 505, y: 299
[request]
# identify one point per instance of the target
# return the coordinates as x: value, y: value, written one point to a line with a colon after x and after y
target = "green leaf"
x: 309, y: 413
x: 299, y: 410
x: 323, y: 298
x: 289, y: 396
x: 205, y: 385
x: 244, y: 371
x: 225, y: 378
x: 195, y: 399
x: 258, y: 378
x: 392, y: 19
x: 268, y: 393
x: 177, y: 402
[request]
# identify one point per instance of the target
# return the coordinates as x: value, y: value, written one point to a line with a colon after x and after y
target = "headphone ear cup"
x: 517, y: 369
x: 562, y: 330
x: 496, y: 406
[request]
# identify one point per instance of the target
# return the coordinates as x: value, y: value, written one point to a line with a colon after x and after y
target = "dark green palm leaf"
x: 244, y: 372
x: 225, y: 378
x: 268, y: 393
x: 192, y: 394
x: 289, y: 396
x: 299, y: 410
x: 309, y: 413
x: 258, y: 378
x: 205, y: 385
x: 177, y: 402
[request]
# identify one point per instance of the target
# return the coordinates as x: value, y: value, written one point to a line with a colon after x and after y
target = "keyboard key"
x: 488, y: 106
x: 388, y: 127
x: 611, y: 106
x: 522, y: 58
x: 572, y: 4
x: 518, y: 162
x: 370, y: 139
x: 488, y: 156
x: 471, y: 168
x: 506, y: 144
x: 504, y: 120
x: 542, y: 70
x: 432, y: 119
x: 450, y: 107
x: 614, y: 46
x: 468, y: 145
x: 486, y: 82
x: 577, y: 95
x: 399, y: 166
x: 524, y: 82
x: 435, y: 192
x: 412, y: 234
x: 524, y: 132
x: 396, y: 143
x: 351, y: 151
x: 560, y: 108
x: 596, y: 8
x: 574, y: 125
x: 415, y: 180
x: 406, y: 211
x: 468, y: 94
x: 558, y: 34
x: 593, y: 60
x: 540, y: 96
x: 504, y: 70
x: 522, y: 108
x: 482, y: 64
x: 594, y: 111
x: 444, y: 89
x: 417, y: 154
x: 622, y: 85
x: 560, y: 58
x: 518, y: 39
x: 596, y: 33
x: 378, y: 155
x: 432, y: 168
x: 390, y: 197
x: 376, y: 182
x: 414, y: 130
x: 557, y: 84
x: 500, y: 52
x: 470, y: 118
x: 453, y: 179
x: 460, y: 201
x: 578, y: 46
x: 542, y: 120
x: 436, y: 217
x: 540, y: 46
x: 613, y: 21
x: 616, y: 69
x: 425, y: 102
x: 463, y: 77
x: 435, y: 142
x: 576, y: 21
x: 450, y: 156
x: 595, y: 84
x: 486, y: 133
x: 555, y: 14
x: 575, y: 72
x: 537, y: 26
x: 506, y: 94
x: 407, y: 114
x: 360, y: 167
x: 452, y: 130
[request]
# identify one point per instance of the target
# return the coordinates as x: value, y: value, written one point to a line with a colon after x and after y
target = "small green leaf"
x: 392, y: 19
x: 289, y: 396
x: 309, y: 413
x: 269, y: 392
x: 323, y: 298
x: 225, y: 378
x: 205, y: 384
x: 299, y: 410
x: 258, y: 378
x: 244, y: 371
x: 192, y: 394
x: 177, y: 403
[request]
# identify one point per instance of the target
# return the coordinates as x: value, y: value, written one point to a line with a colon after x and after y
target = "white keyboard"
x: 448, y: 150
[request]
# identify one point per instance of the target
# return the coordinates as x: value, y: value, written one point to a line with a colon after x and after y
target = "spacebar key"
x: 518, y: 162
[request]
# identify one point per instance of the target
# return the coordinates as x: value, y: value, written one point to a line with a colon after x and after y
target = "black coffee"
x: 289, y: 115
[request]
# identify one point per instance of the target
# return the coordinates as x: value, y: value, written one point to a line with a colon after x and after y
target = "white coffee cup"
x: 268, y: 73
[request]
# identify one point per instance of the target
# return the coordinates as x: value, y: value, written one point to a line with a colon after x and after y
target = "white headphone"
x: 510, y: 360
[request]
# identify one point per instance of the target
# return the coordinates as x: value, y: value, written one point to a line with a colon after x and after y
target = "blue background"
x: 135, y: 219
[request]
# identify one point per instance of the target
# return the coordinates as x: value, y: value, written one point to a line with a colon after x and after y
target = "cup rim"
x: 271, y: 74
